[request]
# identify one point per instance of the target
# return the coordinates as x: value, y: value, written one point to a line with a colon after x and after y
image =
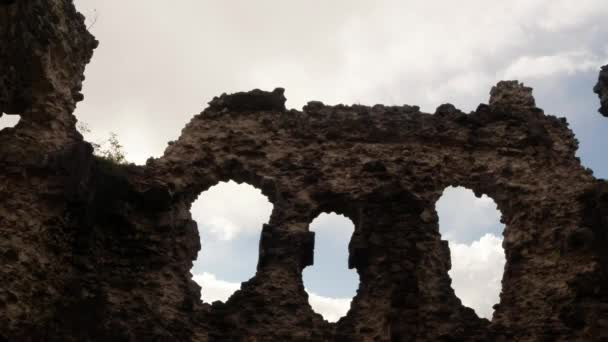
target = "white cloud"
x: 221, y: 227
x: 464, y: 217
x: 332, y: 309
x: 476, y: 273
x: 228, y: 210
x: 214, y: 289
x: 389, y: 51
x: 527, y: 67
x: 9, y: 120
x: 333, y: 225
x: 568, y: 14
x: 471, y: 226
x: 430, y: 52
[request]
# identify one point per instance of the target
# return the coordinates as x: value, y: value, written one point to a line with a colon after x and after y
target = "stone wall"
x: 92, y: 251
x: 601, y: 89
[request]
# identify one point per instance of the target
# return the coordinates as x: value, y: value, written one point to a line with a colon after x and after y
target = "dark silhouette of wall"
x: 93, y: 251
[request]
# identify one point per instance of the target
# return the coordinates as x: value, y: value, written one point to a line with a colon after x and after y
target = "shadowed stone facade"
x: 92, y: 251
x: 601, y: 89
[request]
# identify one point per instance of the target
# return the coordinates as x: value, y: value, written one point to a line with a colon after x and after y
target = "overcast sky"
x: 160, y: 62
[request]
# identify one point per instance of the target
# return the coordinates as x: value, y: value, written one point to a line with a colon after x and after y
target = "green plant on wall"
x: 109, y: 149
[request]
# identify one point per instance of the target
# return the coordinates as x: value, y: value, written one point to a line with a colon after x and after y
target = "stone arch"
x: 332, y: 232
x: 476, y: 255
x: 530, y: 211
x: 389, y: 190
x: 230, y: 218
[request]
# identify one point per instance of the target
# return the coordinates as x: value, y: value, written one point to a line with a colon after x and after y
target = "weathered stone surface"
x: 255, y: 100
x: 92, y: 251
x: 45, y: 47
x: 601, y: 89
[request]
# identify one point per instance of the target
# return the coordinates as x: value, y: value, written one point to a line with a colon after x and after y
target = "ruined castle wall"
x: 93, y: 251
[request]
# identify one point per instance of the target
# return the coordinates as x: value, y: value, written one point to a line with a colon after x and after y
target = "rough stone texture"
x: 601, y: 89
x: 92, y: 251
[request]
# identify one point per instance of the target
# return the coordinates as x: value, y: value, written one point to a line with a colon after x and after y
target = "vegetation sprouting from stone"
x: 109, y: 149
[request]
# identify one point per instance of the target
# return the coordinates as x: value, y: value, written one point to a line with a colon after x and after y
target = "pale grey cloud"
x: 566, y: 14
x: 476, y: 273
x: 423, y: 52
x: 159, y: 63
x: 333, y: 225
x: 214, y: 289
x: 471, y: 226
x: 332, y: 309
x: 464, y: 218
x: 229, y: 209
x: 529, y: 67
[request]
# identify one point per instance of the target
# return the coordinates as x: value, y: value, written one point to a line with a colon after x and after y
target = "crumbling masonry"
x: 91, y: 251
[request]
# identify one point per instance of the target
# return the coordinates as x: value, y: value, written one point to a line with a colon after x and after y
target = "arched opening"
x: 7, y: 120
x: 472, y: 227
x: 330, y: 284
x: 230, y: 218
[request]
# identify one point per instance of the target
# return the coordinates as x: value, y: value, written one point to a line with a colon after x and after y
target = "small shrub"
x: 109, y: 149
